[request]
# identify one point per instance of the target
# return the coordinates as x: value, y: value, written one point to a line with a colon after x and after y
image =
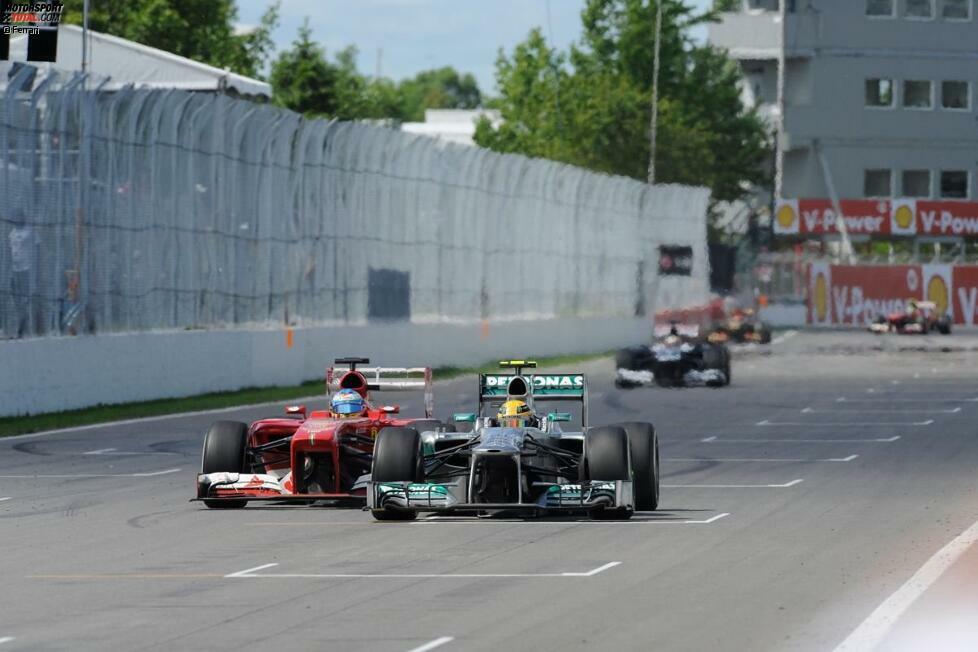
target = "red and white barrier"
x: 854, y: 295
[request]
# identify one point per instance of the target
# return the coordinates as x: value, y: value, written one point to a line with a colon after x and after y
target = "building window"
x: 879, y: 92
x: 915, y: 183
x: 876, y: 183
x: 956, y: 9
x: 880, y: 8
x: 919, y: 9
x: 954, y: 184
x: 917, y: 94
x: 956, y: 95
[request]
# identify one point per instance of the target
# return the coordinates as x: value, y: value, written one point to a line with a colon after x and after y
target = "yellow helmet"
x: 514, y: 414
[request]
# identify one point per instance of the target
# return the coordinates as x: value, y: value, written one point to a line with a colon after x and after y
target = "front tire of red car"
x: 225, y: 445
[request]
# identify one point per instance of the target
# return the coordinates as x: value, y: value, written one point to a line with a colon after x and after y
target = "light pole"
x: 655, y: 92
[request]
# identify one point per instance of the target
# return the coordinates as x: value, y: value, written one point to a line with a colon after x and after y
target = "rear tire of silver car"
x: 397, y: 458
x: 225, y: 445
x: 644, y: 445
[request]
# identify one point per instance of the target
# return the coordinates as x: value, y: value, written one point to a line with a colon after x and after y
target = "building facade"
x: 880, y: 102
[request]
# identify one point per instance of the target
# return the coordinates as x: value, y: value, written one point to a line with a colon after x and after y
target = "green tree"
x: 592, y: 106
x: 303, y: 80
x: 441, y: 88
x: 202, y: 30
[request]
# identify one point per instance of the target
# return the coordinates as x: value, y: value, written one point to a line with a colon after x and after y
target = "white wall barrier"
x: 64, y: 373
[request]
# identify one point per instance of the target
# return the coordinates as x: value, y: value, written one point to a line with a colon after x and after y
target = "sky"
x: 415, y: 35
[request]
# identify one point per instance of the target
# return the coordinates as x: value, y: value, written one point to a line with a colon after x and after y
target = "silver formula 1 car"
x: 606, y: 472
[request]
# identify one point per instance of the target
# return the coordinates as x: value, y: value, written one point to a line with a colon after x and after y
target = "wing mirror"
x: 391, y: 409
x: 464, y: 417
x: 559, y: 416
x: 296, y: 410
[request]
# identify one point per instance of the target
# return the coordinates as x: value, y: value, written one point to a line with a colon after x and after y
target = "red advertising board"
x: 878, y: 217
x: 862, y: 216
x: 964, y: 294
x: 947, y: 218
x: 855, y: 295
x: 859, y: 294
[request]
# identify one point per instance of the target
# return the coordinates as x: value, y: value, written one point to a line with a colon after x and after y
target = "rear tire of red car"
x: 644, y: 447
x: 225, y: 445
x: 397, y: 458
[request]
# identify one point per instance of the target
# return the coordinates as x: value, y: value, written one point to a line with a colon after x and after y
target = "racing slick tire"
x: 644, y: 446
x: 397, y: 458
x: 765, y: 336
x: 626, y: 359
x: 606, y: 459
x: 717, y: 356
x: 944, y: 326
x: 225, y: 445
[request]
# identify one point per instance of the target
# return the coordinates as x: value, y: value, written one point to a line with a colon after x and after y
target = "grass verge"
x: 121, y: 411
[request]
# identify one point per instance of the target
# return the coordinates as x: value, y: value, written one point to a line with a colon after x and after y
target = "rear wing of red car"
x: 347, y: 374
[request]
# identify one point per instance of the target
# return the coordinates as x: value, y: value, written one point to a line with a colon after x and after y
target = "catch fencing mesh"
x: 162, y: 209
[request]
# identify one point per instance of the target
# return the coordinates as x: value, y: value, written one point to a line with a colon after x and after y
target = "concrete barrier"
x: 62, y: 373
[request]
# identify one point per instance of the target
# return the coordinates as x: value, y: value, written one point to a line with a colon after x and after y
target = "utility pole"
x: 84, y: 57
x: 655, y: 92
x: 779, y: 154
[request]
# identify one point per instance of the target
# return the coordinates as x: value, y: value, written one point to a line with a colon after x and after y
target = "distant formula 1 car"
x: 300, y: 458
x: 678, y: 359
x: 521, y: 466
x: 920, y: 317
x: 741, y: 327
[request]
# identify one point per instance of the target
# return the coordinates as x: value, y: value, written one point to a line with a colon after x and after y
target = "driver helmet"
x: 514, y: 414
x: 672, y: 340
x: 347, y: 403
x: 911, y: 304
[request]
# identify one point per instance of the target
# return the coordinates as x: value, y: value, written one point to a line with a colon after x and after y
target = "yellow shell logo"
x: 937, y: 292
x: 903, y: 217
x: 786, y: 216
x: 821, y: 298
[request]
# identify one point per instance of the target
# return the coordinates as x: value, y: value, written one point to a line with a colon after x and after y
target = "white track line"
x: 896, y: 399
x: 5, y: 498
x: 449, y: 520
x: 92, y: 475
x: 873, y: 630
x: 787, y: 335
x: 6, y: 639
x: 759, y: 459
x: 155, y: 473
x: 252, y: 574
x: 851, y: 424
x: 249, y: 571
x: 735, y: 486
x: 810, y: 410
x: 431, y: 645
x: 717, y: 440
x: 116, y: 451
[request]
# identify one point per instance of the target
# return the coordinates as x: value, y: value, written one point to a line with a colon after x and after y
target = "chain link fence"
x: 162, y: 209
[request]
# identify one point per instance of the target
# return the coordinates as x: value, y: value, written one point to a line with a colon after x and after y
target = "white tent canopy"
x: 128, y: 62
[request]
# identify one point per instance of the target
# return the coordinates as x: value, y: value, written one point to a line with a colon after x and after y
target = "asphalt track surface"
x: 795, y: 504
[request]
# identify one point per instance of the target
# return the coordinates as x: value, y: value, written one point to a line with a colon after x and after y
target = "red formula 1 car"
x: 300, y: 458
x: 919, y: 317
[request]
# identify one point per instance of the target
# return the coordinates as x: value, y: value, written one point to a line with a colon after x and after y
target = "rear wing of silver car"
x: 346, y: 374
x: 494, y: 389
